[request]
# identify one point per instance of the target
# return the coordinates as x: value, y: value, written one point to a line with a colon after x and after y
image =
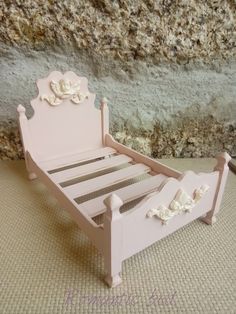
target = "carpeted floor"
x: 48, y: 266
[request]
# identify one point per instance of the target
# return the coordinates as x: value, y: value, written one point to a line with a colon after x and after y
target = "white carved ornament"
x: 65, y: 89
x: 181, y: 203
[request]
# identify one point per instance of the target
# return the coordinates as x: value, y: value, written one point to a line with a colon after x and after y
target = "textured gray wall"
x: 168, y: 69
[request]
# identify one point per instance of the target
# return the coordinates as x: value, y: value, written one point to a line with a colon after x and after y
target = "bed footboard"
x: 176, y: 203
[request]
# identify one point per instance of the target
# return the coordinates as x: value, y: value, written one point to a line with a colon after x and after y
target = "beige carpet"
x: 48, y: 266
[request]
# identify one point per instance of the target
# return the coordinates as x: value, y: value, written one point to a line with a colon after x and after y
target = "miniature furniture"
x: 67, y: 146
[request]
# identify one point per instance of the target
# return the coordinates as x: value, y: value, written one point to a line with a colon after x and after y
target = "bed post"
x: 222, y: 167
x: 105, y: 118
x: 113, y: 240
x: 25, y: 138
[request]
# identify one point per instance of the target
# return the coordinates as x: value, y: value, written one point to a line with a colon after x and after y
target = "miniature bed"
x: 67, y: 145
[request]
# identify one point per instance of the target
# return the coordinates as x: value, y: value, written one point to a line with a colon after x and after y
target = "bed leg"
x: 209, y: 220
x: 113, y: 240
x: 222, y: 167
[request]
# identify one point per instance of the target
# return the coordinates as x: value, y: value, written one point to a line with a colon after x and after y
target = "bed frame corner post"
x: 221, y: 166
x: 105, y: 118
x: 25, y: 138
x: 113, y: 240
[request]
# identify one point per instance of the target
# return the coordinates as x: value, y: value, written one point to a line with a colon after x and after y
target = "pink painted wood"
x: 76, y: 158
x: 64, y: 126
x: 93, y: 167
x: 129, y: 193
x: 101, y: 182
x: 135, y: 241
x: 68, y: 135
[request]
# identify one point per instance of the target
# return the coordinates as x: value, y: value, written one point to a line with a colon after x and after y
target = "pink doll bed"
x: 67, y: 145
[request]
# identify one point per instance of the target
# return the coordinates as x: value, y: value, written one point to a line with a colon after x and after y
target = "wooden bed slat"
x: 129, y: 193
x: 93, y: 167
x: 95, y: 184
x: 76, y: 158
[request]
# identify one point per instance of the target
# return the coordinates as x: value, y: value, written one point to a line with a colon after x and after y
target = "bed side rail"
x: 138, y: 157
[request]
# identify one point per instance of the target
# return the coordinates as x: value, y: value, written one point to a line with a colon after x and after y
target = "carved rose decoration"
x: 180, y: 204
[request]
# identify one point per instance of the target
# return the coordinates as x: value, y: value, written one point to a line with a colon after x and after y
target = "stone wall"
x: 168, y: 68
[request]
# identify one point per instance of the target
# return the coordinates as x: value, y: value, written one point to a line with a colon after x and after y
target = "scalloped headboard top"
x: 58, y: 88
x: 65, y: 119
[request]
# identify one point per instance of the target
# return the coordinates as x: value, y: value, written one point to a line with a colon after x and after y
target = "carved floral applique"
x: 181, y: 203
x: 65, y: 89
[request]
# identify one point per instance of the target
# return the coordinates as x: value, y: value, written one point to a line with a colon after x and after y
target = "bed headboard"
x: 65, y: 119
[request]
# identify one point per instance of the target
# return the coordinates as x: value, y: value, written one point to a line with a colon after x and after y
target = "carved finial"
x: 103, y: 102
x: 113, y: 204
x: 222, y: 160
x: 21, y: 110
x: 113, y: 201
